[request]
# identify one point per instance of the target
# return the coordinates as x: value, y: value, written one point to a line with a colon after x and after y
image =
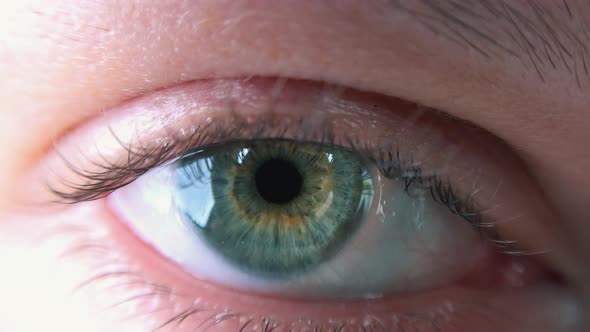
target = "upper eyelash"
x: 140, y: 158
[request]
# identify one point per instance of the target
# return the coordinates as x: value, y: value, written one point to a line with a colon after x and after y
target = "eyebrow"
x: 543, y: 36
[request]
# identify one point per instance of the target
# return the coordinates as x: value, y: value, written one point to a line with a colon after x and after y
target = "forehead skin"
x: 65, y: 61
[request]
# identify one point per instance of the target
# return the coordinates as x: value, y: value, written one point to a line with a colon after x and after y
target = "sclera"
x: 406, y: 242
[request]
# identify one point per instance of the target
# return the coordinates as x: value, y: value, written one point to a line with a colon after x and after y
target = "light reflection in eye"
x: 241, y: 156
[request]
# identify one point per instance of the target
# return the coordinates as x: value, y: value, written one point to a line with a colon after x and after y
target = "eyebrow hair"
x: 542, y: 36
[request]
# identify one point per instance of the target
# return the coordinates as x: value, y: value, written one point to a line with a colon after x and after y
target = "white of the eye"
x: 406, y: 242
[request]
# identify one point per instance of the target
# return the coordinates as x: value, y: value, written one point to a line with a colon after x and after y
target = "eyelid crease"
x: 405, y: 140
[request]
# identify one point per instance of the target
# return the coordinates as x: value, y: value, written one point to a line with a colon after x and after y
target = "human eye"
x: 276, y: 204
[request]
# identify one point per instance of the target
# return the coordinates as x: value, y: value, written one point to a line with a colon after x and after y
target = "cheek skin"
x: 37, y: 280
x: 100, y: 270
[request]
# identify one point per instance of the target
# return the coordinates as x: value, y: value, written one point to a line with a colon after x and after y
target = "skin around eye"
x: 170, y: 116
x: 63, y: 62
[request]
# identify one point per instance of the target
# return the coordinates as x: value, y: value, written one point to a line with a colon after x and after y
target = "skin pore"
x: 517, y: 71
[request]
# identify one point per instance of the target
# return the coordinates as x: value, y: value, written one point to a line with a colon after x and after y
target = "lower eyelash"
x: 213, y: 318
x: 130, y: 288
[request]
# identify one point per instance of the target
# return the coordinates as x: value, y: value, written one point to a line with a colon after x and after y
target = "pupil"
x: 278, y: 181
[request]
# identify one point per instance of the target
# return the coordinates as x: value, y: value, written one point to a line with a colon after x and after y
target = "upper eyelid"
x: 158, y: 113
x: 156, y: 119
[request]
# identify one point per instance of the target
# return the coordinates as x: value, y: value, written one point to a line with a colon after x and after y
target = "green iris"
x: 275, y: 207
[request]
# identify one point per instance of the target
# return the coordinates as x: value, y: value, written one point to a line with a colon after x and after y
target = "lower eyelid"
x: 132, y: 276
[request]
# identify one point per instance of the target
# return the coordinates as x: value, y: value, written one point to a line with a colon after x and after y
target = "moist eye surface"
x: 274, y: 207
